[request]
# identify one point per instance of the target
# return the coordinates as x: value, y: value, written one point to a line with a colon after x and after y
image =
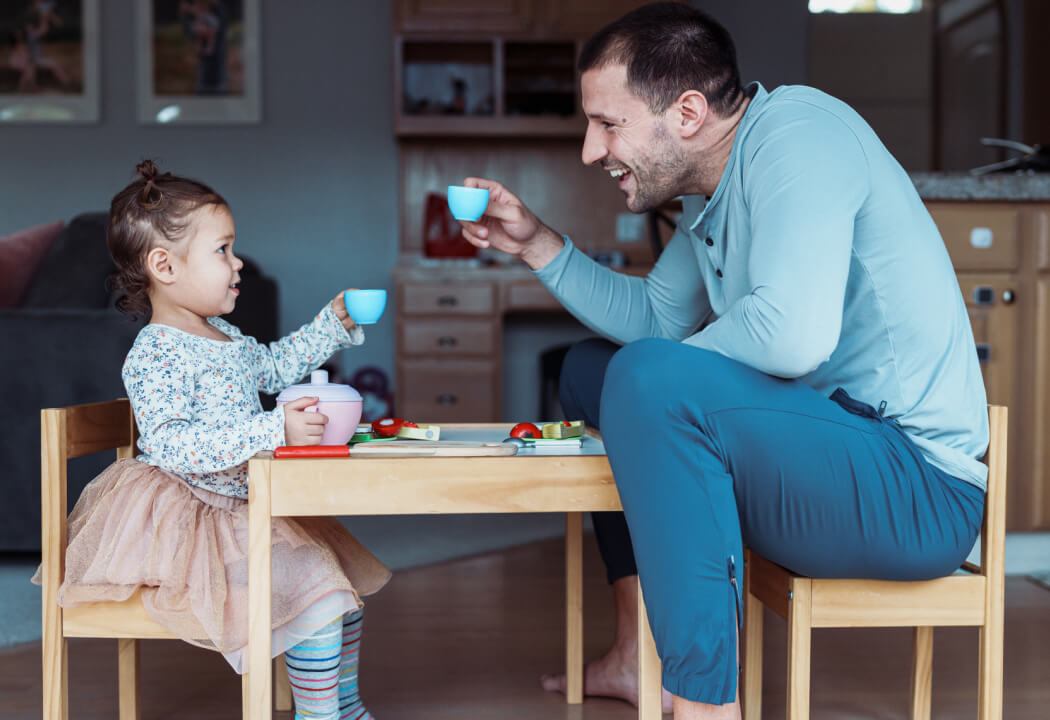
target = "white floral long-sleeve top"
x: 196, y: 400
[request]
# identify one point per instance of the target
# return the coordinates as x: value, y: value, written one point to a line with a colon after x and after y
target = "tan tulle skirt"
x: 137, y: 526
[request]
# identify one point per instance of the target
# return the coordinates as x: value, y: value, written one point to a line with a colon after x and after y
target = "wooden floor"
x: 469, y: 639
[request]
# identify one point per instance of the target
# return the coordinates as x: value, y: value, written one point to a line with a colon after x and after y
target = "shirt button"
x: 709, y: 242
x: 718, y: 273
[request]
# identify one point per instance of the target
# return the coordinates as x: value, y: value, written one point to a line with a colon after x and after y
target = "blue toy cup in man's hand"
x: 467, y: 203
x: 365, y: 306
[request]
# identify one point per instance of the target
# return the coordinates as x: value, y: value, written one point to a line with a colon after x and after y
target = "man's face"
x: 629, y: 141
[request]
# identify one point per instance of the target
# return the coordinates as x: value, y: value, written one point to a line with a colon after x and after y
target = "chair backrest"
x: 66, y: 433
x: 993, y: 529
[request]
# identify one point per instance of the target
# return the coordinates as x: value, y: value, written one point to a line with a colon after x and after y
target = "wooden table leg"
x: 574, y: 607
x: 650, y: 684
x: 257, y: 687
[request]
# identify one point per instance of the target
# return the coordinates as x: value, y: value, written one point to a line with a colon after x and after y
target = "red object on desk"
x: 526, y: 430
x: 442, y: 234
x: 311, y: 451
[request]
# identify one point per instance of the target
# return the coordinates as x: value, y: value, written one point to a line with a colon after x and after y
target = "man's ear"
x: 159, y: 265
x: 692, y: 109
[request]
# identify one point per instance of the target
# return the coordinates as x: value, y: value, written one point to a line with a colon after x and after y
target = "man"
x: 799, y: 359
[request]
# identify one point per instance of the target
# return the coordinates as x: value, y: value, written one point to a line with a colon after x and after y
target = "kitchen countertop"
x: 1006, y: 187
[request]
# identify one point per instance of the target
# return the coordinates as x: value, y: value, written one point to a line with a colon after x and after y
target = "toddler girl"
x: 174, y: 521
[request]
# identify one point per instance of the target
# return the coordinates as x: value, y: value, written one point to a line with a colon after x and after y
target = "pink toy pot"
x: 340, y: 403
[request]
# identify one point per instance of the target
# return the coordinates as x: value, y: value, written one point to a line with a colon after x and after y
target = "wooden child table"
x: 565, y: 480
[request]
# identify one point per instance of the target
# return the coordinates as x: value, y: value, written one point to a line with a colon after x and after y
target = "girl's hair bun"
x: 147, y: 170
x: 150, y: 197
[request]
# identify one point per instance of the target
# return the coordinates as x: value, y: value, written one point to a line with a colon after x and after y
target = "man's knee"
x: 646, y: 373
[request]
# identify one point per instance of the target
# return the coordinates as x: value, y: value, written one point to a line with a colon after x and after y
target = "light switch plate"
x: 981, y: 238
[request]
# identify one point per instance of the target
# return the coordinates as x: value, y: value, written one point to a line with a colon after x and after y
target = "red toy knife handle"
x: 311, y: 451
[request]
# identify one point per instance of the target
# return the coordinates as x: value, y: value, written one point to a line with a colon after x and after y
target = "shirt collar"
x: 758, y: 95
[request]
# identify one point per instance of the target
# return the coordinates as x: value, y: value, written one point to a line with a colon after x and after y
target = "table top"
x: 497, y: 432
x: 558, y: 480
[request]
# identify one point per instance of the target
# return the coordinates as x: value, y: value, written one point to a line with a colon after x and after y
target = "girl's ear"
x: 159, y: 266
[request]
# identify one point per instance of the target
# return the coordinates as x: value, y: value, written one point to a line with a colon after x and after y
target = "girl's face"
x: 207, y: 283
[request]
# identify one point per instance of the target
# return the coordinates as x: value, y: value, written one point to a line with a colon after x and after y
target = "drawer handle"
x: 447, y: 341
x: 446, y: 399
x: 984, y: 353
x: 448, y: 301
x: 1008, y: 297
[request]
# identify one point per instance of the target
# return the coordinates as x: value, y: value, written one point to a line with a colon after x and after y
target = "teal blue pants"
x: 710, y: 455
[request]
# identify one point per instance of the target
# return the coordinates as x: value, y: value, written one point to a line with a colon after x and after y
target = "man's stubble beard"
x: 665, y: 178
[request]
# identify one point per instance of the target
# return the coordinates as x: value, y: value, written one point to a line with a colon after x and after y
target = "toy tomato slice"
x: 387, y: 427
x: 525, y: 430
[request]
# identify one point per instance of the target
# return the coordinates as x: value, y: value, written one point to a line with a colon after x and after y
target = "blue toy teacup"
x: 467, y: 203
x: 365, y: 306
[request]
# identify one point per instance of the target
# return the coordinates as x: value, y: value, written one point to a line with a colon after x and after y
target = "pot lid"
x: 320, y: 388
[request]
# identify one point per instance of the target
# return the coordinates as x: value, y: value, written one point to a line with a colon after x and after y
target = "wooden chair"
x: 973, y: 598
x: 68, y: 433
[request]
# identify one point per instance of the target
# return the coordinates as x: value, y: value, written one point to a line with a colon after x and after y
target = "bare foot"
x: 608, y: 676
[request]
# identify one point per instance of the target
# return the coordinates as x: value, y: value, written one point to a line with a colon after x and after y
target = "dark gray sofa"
x: 64, y: 345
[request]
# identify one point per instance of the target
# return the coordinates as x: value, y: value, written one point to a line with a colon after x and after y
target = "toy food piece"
x: 387, y: 427
x: 411, y: 431
x: 525, y: 430
x: 564, y: 429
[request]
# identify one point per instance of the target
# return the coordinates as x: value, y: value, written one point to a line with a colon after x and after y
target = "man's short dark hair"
x: 669, y: 48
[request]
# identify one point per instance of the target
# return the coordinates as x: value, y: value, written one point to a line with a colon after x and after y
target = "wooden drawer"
x: 448, y: 298
x: 530, y: 295
x: 448, y: 391
x: 979, y: 238
x: 439, y: 337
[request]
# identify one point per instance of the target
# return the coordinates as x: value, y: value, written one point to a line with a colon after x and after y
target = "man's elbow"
x: 798, y: 354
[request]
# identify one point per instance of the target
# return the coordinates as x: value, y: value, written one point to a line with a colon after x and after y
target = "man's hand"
x: 509, y: 226
x: 339, y: 307
x: 302, y: 427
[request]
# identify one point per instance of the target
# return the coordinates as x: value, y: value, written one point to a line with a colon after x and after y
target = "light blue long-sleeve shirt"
x: 814, y: 259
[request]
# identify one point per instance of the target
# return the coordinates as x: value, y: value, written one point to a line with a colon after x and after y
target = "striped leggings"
x: 323, y: 672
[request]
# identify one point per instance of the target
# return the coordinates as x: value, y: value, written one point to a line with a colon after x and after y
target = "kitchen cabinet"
x: 485, y: 87
x: 475, y: 16
x: 1001, y: 254
x: 489, y: 69
x: 448, y: 340
x: 568, y: 18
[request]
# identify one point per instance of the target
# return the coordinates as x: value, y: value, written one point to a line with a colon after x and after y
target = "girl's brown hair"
x: 155, y: 207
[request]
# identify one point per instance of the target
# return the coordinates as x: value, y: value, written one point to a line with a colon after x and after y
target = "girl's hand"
x: 339, y: 306
x: 300, y: 426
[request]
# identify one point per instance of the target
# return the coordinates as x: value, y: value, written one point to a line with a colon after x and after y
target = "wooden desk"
x: 449, y: 344
x: 523, y: 483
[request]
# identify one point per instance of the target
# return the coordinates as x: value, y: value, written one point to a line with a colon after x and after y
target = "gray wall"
x: 313, y: 187
x: 771, y: 37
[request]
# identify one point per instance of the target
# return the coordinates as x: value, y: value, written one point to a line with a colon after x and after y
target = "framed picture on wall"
x: 198, y: 61
x: 49, y: 66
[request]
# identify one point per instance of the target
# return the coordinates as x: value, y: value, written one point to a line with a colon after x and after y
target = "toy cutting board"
x: 431, y: 448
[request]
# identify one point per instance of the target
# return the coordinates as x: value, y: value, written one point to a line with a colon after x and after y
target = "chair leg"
x: 752, y: 695
x: 282, y: 686
x: 990, y: 670
x: 921, y: 672
x: 574, y: 607
x: 128, y: 678
x: 56, y: 670
x: 799, y: 636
